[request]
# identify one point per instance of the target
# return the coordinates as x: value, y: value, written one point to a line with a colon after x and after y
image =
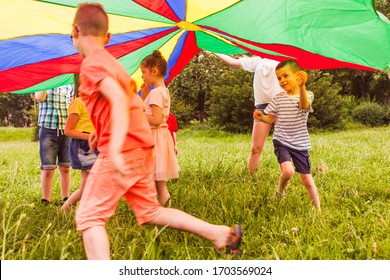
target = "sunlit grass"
x: 351, y: 170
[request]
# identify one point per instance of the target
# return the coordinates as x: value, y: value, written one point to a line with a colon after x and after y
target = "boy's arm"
x: 40, y: 95
x: 304, y: 102
x: 226, y: 59
x: 257, y: 114
x: 119, y: 100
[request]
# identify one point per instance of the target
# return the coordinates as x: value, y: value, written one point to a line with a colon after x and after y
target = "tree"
x: 383, y: 6
x: 328, y: 104
x: 15, y: 109
x: 191, y: 89
x: 231, y: 103
x: 364, y: 85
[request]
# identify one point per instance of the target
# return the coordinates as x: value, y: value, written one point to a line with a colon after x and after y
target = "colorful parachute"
x: 36, y: 52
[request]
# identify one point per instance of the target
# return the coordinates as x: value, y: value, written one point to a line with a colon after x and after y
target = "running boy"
x: 125, y: 163
x: 289, y: 111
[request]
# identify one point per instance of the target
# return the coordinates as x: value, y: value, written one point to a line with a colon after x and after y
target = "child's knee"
x: 287, y: 171
x: 288, y: 174
x: 48, y: 173
x: 64, y: 169
x: 256, y: 149
x: 307, y: 180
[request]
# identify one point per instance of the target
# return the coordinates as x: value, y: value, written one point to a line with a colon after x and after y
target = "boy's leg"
x: 48, y: 150
x: 260, y: 132
x: 76, y: 196
x: 96, y: 244
x: 64, y: 164
x: 65, y: 180
x: 162, y: 192
x: 308, y: 182
x: 174, y: 218
x: 287, y: 172
x: 46, y: 183
x: 101, y: 195
x: 302, y: 164
x: 142, y: 199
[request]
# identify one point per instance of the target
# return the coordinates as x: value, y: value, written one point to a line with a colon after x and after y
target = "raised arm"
x: 304, y: 102
x: 235, y: 62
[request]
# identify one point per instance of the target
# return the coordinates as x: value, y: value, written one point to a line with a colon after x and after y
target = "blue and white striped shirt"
x: 53, y: 110
x: 291, y: 126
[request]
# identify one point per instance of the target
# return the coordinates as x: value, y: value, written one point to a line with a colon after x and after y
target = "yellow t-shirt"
x: 84, y: 124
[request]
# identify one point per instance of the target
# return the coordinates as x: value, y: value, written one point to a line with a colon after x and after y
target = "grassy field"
x: 350, y: 168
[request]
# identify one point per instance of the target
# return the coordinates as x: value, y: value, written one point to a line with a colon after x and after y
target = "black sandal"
x: 45, y: 201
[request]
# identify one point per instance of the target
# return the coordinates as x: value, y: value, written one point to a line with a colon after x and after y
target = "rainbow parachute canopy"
x: 36, y: 52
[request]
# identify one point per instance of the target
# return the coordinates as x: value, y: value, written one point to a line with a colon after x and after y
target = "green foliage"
x: 383, y: 6
x: 350, y: 102
x: 191, y: 89
x: 369, y: 113
x: 327, y: 105
x: 209, y: 89
x: 15, y: 109
x: 34, y: 113
x: 231, y: 102
x: 364, y: 85
x: 387, y: 114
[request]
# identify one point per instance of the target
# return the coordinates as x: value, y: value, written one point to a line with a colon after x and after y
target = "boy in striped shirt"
x: 289, y: 111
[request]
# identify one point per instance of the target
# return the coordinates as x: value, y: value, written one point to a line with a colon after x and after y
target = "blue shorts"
x: 261, y: 108
x: 53, y: 145
x: 299, y: 158
x: 81, y: 155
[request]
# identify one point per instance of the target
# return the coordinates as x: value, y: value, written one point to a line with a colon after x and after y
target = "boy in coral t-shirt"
x: 126, y: 161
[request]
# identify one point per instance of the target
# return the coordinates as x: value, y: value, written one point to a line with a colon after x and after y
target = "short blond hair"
x: 91, y: 19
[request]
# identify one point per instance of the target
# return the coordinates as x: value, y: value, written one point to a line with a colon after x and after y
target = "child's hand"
x: 119, y: 165
x: 144, y: 87
x: 302, y: 78
x: 93, y: 140
x: 144, y: 91
x: 176, y: 149
x: 257, y: 114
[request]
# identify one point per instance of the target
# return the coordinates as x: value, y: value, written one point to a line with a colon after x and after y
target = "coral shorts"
x: 105, y: 187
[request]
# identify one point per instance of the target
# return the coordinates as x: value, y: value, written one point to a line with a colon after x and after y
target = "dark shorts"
x: 81, y: 155
x: 53, y: 145
x: 299, y: 158
x: 261, y: 108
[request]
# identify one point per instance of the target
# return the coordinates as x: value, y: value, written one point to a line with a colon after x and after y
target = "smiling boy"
x: 289, y: 111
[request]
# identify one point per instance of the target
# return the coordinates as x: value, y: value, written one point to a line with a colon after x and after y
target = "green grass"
x: 214, y: 185
x: 11, y: 134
